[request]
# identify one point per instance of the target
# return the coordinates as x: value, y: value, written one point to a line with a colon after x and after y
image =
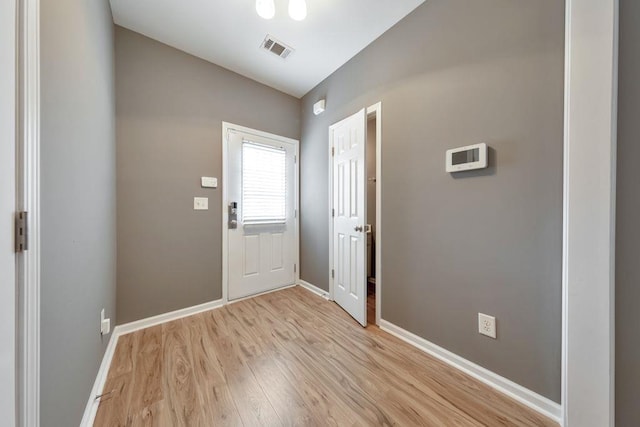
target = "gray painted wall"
x: 628, y: 231
x: 452, y: 73
x: 78, y: 201
x: 170, y: 108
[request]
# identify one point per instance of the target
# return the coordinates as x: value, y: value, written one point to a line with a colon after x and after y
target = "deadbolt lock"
x: 233, y: 215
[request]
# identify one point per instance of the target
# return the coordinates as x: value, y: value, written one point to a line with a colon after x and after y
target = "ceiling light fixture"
x: 297, y: 9
x: 266, y: 8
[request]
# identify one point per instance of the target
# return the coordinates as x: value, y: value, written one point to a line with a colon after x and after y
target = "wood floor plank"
x: 179, y: 384
x: 450, y: 384
x: 147, y: 371
x: 153, y: 415
x: 123, y: 357
x: 363, y: 377
x: 332, y: 380
x: 214, y: 395
x: 114, y: 406
x: 281, y: 393
x: 291, y: 358
x: 252, y: 404
x: 317, y: 397
x: 376, y: 381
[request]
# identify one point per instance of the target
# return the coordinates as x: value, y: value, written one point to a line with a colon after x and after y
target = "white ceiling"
x: 229, y: 33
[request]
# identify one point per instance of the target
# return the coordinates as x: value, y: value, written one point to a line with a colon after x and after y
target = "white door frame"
x: 374, y: 110
x: 588, y: 285
x: 8, y: 294
x: 28, y: 199
x: 226, y: 127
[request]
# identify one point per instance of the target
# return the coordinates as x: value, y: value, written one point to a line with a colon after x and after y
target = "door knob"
x: 359, y: 228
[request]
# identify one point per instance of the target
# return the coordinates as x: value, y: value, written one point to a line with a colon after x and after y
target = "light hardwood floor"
x: 371, y: 303
x: 290, y: 358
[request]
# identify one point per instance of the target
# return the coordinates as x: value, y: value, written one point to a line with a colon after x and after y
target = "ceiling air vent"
x: 276, y: 47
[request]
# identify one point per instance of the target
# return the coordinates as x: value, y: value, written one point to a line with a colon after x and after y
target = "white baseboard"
x: 167, y: 317
x: 98, y: 386
x: 523, y: 395
x: 92, y: 405
x: 313, y: 288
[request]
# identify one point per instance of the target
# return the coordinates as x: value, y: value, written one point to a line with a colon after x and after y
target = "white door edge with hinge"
x: 228, y: 132
x: 348, y: 281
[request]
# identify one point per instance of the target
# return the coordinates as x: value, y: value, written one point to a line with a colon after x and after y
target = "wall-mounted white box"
x: 208, y: 182
x: 200, y: 203
x: 318, y: 107
x: 467, y: 158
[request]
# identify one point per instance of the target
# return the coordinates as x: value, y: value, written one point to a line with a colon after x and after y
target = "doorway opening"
x: 371, y: 187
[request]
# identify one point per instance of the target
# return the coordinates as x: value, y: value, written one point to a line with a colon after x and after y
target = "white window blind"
x: 264, y: 184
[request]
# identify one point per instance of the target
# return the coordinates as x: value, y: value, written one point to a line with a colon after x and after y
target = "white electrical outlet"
x: 105, y: 324
x: 487, y: 325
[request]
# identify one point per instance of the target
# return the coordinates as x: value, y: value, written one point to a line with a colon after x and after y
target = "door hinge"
x: 22, y: 237
x: 333, y: 151
x: 333, y: 213
x: 295, y: 213
x: 295, y: 159
x: 295, y: 268
x: 333, y: 274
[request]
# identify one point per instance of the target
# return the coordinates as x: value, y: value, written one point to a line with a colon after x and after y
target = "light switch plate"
x: 208, y: 182
x: 200, y: 203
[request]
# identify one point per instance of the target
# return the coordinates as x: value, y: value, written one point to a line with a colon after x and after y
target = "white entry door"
x: 348, y: 142
x: 261, y: 212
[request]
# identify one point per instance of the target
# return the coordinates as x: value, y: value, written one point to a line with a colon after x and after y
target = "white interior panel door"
x: 261, y: 188
x: 348, y: 139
